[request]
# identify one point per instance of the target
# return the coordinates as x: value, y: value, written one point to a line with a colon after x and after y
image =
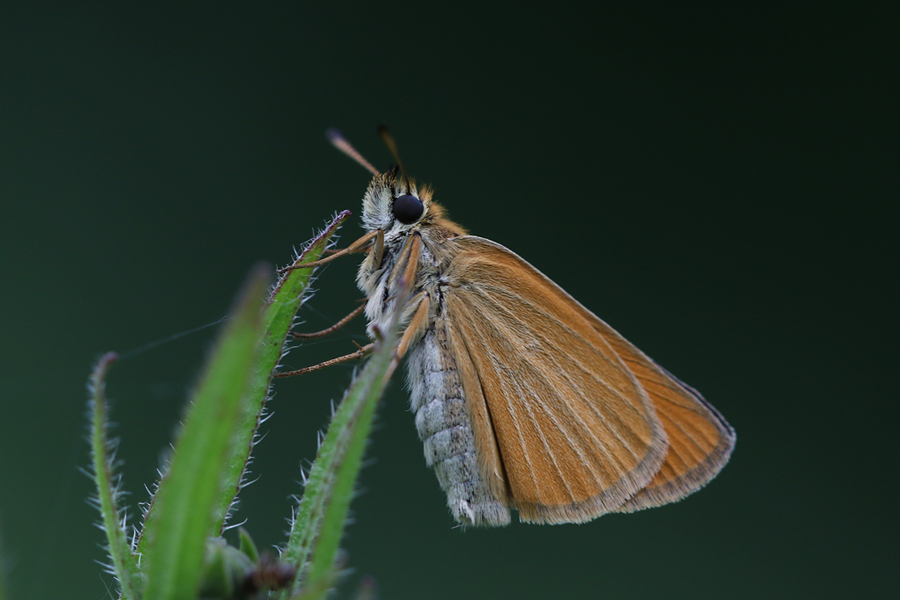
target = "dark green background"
x: 718, y: 184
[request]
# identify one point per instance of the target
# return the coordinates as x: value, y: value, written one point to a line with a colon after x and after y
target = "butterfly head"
x: 398, y: 205
x: 394, y: 203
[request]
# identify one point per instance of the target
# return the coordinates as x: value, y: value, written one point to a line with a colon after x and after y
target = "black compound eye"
x: 408, y: 209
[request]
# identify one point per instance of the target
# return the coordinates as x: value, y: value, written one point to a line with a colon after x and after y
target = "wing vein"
x: 608, y: 417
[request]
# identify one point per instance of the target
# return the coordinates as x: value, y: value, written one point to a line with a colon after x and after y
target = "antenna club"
x: 339, y: 142
x: 333, y: 134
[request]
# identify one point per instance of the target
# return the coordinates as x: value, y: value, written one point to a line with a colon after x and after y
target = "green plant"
x: 177, y: 552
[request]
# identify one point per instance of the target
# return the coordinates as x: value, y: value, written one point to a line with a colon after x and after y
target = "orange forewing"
x: 576, y: 431
x: 700, y: 440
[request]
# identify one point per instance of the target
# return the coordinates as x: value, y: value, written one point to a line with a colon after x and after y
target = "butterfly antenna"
x: 339, y: 142
x: 392, y: 146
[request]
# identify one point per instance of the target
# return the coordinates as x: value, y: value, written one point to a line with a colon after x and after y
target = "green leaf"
x: 247, y: 545
x: 318, y: 527
x: 123, y: 561
x: 282, y: 306
x: 224, y: 570
x: 189, y: 494
x: 278, y: 318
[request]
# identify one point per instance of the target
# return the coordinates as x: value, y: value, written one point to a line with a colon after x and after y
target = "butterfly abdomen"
x: 444, y: 426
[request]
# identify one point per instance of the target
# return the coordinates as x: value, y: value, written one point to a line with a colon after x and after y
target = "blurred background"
x: 719, y: 184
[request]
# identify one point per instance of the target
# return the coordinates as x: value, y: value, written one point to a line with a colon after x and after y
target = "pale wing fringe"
x: 670, y: 486
x: 701, y: 454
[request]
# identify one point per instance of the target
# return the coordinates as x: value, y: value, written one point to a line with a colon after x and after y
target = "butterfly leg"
x: 403, y: 278
x: 305, y: 336
x: 400, y: 282
x: 353, y: 248
x: 362, y: 352
x: 413, y: 331
x: 378, y: 249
